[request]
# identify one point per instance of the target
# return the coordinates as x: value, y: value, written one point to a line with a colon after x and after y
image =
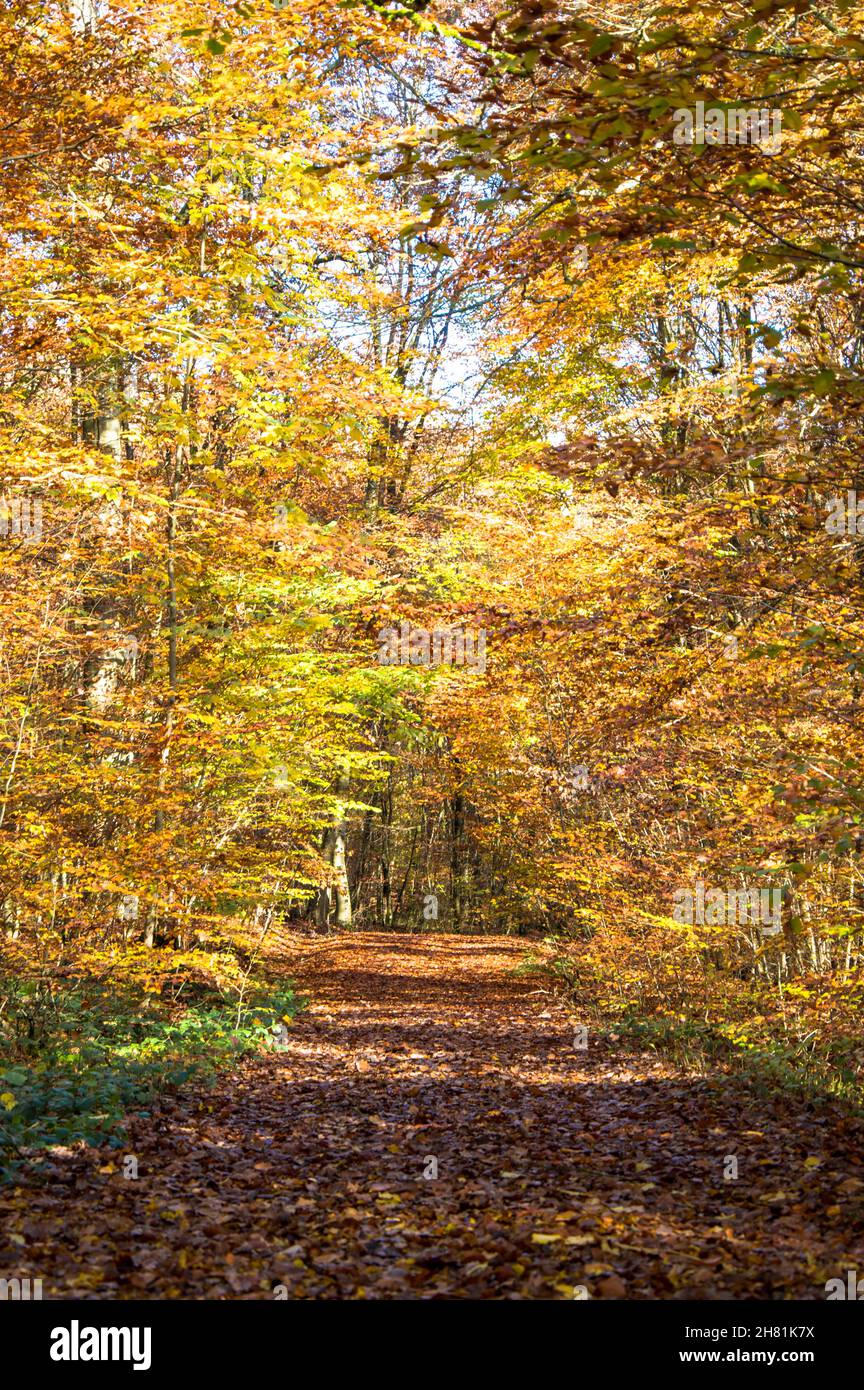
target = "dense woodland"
x: 322, y: 322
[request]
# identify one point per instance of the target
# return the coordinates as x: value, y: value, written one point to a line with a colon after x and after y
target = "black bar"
x: 419, y: 1342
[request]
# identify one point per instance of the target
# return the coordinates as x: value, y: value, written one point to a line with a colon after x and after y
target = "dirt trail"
x: 556, y: 1168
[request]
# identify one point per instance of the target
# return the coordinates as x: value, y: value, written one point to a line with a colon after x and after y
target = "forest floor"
x: 558, y: 1169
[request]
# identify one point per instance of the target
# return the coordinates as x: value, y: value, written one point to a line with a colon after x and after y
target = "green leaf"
x: 601, y: 44
x: 670, y: 243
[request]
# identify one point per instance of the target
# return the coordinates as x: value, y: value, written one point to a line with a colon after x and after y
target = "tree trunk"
x: 335, y: 854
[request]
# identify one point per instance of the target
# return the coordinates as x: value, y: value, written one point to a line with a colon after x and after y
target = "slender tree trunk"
x: 335, y: 850
x: 171, y: 618
x: 457, y: 813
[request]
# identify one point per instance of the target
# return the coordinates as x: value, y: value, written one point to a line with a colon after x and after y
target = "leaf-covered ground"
x: 557, y: 1168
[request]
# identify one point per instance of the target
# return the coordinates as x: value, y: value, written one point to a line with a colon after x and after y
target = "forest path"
x: 557, y: 1168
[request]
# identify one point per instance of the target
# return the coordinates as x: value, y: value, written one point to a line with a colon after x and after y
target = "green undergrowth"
x: 75, y: 1061
x: 769, y: 1063
x: 771, y: 1051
